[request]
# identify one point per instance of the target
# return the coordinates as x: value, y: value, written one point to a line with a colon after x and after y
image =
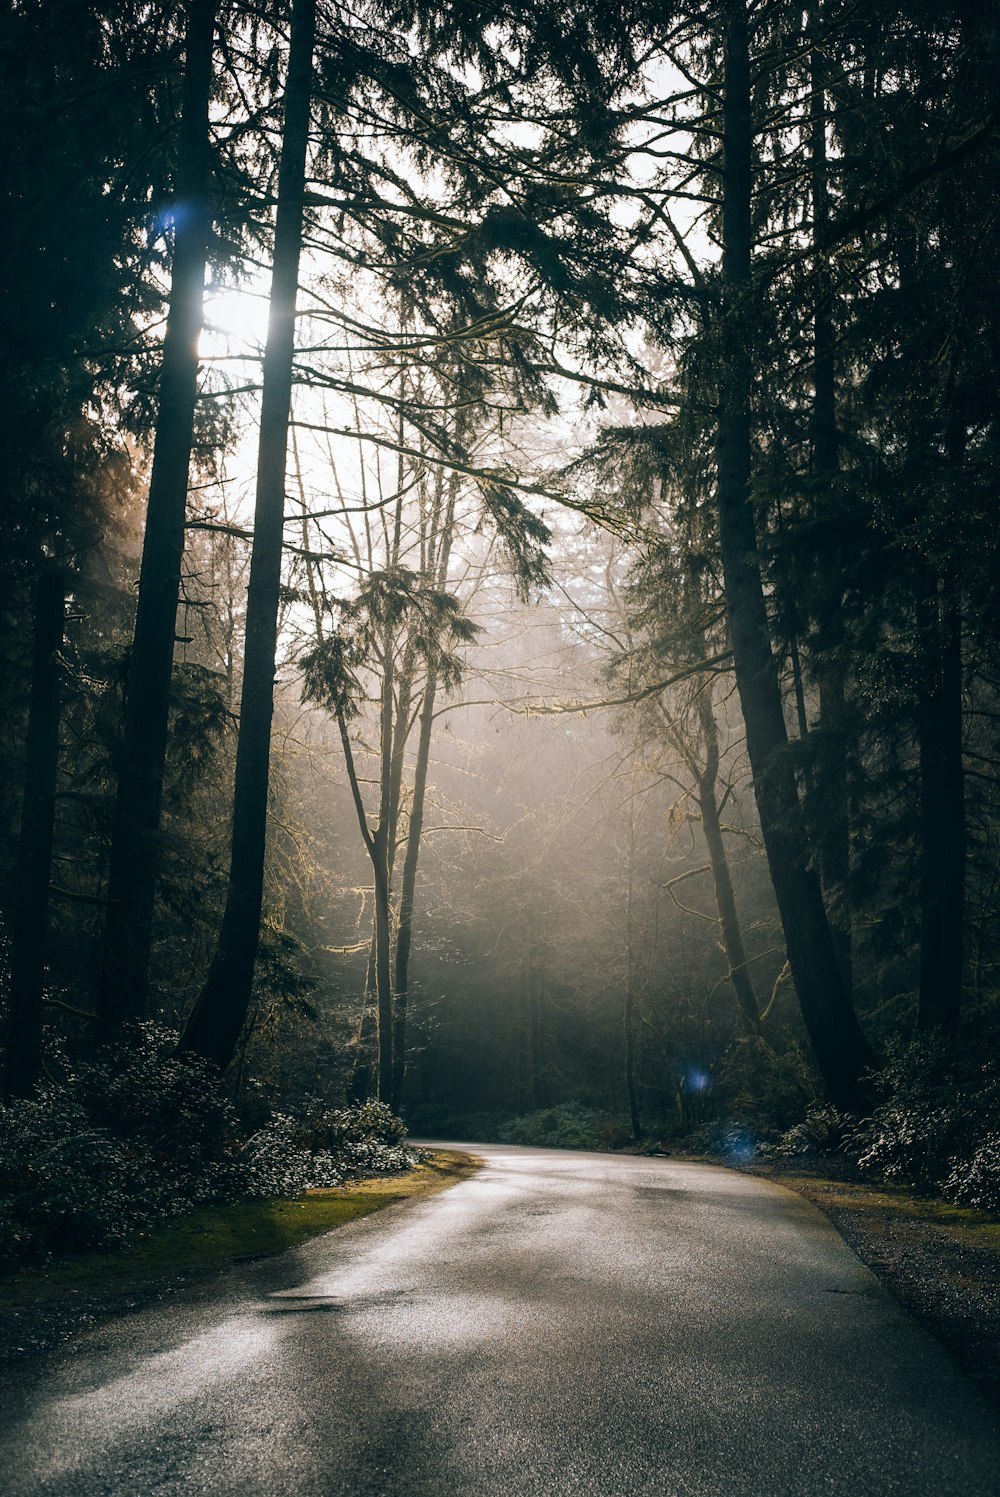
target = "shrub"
x: 823, y: 1130
x: 273, y: 1161
x: 63, y: 1184
x: 171, y: 1110
x: 930, y: 1115
x: 936, y: 1126
x: 287, y: 1156
x: 117, y: 1145
x: 570, y: 1125
x: 334, y: 1129
x: 143, y: 1135
x: 731, y: 1140
x: 976, y: 1181
x: 765, y: 1090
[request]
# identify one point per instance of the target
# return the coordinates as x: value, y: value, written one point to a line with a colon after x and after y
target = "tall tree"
x: 132, y: 870
x: 441, y: 532
x: 214, y: 1026
x: 31, y: 916
x: 401, y: 621
x: 841, y: 1050
x: 830, y: 769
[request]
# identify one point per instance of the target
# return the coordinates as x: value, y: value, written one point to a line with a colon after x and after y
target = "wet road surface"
x: 558, y: 1324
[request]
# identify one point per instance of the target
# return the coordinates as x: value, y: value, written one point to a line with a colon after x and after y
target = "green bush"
x: 64, y: 1185
x: 935, y: 1126
x: 976, y: 1181
x: 171, y: 1111
x: 932, y: 1114
x: 143, y: 1135
x: 571, y: 1125
x: 324, y: 1148
x: 115, y: 1146
x: 335, y: 1129
x: 823, y: 1130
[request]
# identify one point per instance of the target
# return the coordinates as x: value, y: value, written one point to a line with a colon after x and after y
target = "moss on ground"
x: 973, y: 1228
x: 235, y: 1233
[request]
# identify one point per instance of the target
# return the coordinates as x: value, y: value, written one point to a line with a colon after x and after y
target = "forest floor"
x: 42, y: 1307
x: 941, y: 1262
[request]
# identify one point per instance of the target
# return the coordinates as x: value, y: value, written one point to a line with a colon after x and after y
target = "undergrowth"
x: 935, y: 1126
x: 142, y: 1137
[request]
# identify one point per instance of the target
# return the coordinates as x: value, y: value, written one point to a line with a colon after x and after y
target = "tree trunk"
x: 830, y: 769
x: 363, y: 1072
x: 628, y: 1012
x: 942, y: 818
x: 841, y: 1051
x: 31, y: 906
x: 383, y: 962
x: 124, y: 973
x: 536, y: 995
x: 404, y: 931
x: 220, y: 1011
x: 725, y: 898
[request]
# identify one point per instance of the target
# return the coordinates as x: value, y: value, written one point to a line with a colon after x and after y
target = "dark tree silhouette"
x: 213, y: 1028
x: 135, y: 828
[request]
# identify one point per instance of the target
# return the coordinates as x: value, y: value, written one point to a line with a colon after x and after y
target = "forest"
x: 498, y: 609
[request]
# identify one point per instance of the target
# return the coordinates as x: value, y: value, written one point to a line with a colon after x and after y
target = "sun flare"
x: 235, y: 321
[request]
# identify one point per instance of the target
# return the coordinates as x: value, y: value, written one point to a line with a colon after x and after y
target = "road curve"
x: 558, y: 1324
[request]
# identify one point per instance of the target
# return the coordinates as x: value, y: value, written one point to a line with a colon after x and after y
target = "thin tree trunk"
x: 830, y: 769
x: 383, y: 963
x: 220, y: 1011
x: 124, y: 972
x: 628, y: 1012
x: 841, y: 1051
x: 725, y: 899
x: 942, y: 820
x: 31, y: 907
x: 404, y: 931
x: 380, y: 851
x: 362, y: 1072
x: 538, y: 1085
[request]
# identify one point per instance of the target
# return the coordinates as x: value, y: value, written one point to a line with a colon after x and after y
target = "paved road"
x: 558, y: 1324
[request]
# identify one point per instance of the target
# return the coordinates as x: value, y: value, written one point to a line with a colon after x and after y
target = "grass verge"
x: 237, y: 1233
x: 889, y: 1203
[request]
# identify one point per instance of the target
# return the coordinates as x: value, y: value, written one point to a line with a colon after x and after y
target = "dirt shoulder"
x: 940, y: 1261
x: 42, y: 1307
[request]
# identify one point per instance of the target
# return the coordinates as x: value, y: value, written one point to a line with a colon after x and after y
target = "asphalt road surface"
x: 558, y: 1324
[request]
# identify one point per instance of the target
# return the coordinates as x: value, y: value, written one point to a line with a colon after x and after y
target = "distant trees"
x: 781, y: 151
x: 746, y: 256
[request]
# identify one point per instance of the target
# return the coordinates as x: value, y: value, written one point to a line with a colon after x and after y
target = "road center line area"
x: 558, y: 1323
